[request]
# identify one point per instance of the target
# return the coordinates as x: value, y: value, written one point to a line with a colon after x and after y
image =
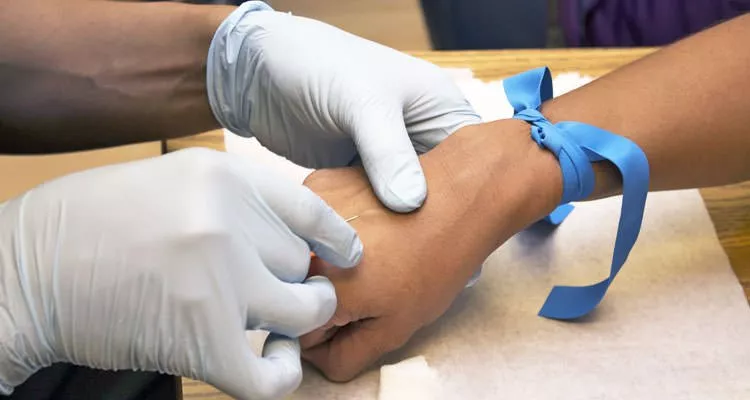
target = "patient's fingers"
x: 355, y: 347
x: 317, y: 336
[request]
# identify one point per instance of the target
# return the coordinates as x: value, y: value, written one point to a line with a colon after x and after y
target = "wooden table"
x: 729, y: 206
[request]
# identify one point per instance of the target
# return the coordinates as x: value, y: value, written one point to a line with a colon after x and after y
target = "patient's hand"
x: 485, y: 183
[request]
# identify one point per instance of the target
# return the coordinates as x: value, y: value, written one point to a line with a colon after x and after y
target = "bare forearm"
x: 687, y: 106
x: 84, y: 74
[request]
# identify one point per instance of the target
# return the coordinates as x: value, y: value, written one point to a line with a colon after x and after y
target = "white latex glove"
x: 161, y: 265
x: 322, y: 97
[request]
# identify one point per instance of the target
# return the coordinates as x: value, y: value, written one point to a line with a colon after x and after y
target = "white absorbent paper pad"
x: 674, y: 325
x: 411, y: 379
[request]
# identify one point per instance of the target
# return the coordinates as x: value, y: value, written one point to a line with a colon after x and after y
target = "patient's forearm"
x: 687, y: 106
x: 493, y: 194
x: 102, y: 73
x: 477, y: 198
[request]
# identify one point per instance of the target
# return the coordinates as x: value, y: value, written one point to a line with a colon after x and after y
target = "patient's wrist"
x: 484, y: 184
x: 506, y: 161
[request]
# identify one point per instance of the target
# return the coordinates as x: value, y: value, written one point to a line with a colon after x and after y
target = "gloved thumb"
x: 275, y: 375
x: 389, y: 157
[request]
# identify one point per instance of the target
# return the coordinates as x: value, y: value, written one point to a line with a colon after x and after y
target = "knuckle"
x: 217, y: 175
x: 209, y: 187
x: 207, y: 167
x: 205, y: 228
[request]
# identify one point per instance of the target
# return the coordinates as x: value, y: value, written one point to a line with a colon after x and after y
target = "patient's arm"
x: 485, y: 185
x: 686, y: 106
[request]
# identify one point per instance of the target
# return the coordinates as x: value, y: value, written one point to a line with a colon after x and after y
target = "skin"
x: 486, y: 182
x: 140, y: 76
x: 451, y: 234
x: 686, y: 106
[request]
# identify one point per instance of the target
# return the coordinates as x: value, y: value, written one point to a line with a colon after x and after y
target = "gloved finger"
x: 310, y: 218
x: 290, y: 264
x: 389, y: 158
x: 297, y: 308
x: 355, y: 347
x: 280, y: 366
x: 243, y: 375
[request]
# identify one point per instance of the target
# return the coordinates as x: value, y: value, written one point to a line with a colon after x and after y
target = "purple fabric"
x: 616, y: 23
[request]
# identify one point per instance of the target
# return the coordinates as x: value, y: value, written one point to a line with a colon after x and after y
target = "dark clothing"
x: 495, y: 24
x: 610, y: 23
x: 486, y: 24
x: 66, y: 382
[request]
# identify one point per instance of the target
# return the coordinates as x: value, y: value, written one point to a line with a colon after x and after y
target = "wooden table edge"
x: 728, y: 206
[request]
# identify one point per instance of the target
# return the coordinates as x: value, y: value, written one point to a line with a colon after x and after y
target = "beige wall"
x: 395, y: 23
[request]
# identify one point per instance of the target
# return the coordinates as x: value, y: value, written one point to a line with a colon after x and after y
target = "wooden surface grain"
x: 729, y: 206
x: 497, y: 64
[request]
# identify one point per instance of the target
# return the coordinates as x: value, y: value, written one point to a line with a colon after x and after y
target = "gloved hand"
x: 161, y: 265
x: 322, y: 97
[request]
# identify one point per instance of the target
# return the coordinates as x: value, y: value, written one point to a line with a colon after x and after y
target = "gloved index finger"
x: 309, y: 217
